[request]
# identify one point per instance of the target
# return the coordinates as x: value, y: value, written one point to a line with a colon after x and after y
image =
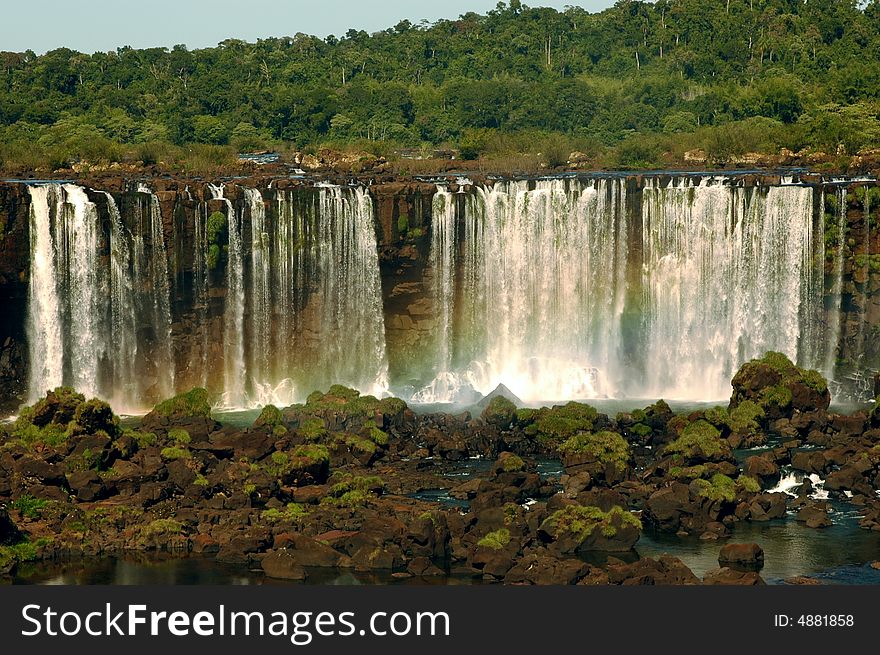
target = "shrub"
x: 495, y: 540
x: 174, y: 452
x: 582, y: 520
x: 29, y: 506
x: 697, y: 437
x: 179, y: 436
x: 719, y: 487
x: 312, y: 429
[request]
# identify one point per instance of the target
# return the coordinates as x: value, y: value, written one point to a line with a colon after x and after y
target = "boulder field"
x: 335, y: 482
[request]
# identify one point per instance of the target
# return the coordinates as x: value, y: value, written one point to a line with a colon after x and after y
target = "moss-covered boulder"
x: 342, y: 409
x: 301, y: 466
x: 604, y: 455
x: 500, y: 412
x: 580, y: 528
x: 553, y: 425
x: 190, y: 410
x: 779, y: 387
x: 195, y: 402
x: 61, y: 415
x: 272, y: 419
x: 699, y: 442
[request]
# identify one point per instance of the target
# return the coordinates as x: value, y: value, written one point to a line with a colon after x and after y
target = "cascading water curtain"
x: 100, y: 324
x: 559, y: 295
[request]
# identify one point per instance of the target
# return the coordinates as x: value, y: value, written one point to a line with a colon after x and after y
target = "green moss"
x: 216, y: 227
x: 377, y: 436
x: 201, y: 481
x: 698, y: 437
x: 29, y: 506
x: 556, y: 424
x: 212, y: 259
x: 719, y: 487
x: 513, y: 463
x: 607, y: 447
x: 95, y: 416
x: 195, y: 402
x: 348, y: 490
x: 143, y: 439
x: 499, y: 412
x: 63, y: 413
x: 815, y: 381
x: 270, y: 416
x: 162, y: 527
x: 497, y: 540
x: 310, y: 452
x: 174, y: 452
x: 717, y: 416
x: 746, y: 417
x: 749, y: 484
x: 358, y: 444
x: 641, y: 430
x: 24, y: 551
x: 391, y: 406
x: 292, y: 513
x: 582, y: 520
x: 688, y: 472
x: 779, y: 362
x: 85, y: 461
x: 403, y: 223
x: 779, y: 395
x: 312, y: 429
x: 179, y: 436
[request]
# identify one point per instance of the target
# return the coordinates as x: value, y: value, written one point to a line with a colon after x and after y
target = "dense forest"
x: 624, y: 86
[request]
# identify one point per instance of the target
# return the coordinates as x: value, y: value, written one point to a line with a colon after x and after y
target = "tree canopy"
x: 797, y: 72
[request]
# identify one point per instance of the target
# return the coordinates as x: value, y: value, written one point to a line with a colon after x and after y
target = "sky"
x: 103, y: 25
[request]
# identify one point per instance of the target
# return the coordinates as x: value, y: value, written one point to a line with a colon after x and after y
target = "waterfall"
x: 351, y: 324
x: 563, y: 292
x: 266, y: 390
x: 78, y: 259
x: 44, y: 316
x: 725, y: 272
x: 559, y: 289
x: 157, y: 303
x: 442, y: 260
x: 836, y: 292
x: 234, y: 394
x: 544, y: 285
x: 123, y: 311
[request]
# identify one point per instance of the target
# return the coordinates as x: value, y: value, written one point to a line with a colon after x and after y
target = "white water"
x: 562, y: 298
x: 790, y: 483
x: 44, y: 316
x: 235, y: 372
x: 87, y: 310
x: 313, y: 300
x: 157, y: 303
x: 725, y: 273
x: 123, y: 311
x: 260, y: 295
